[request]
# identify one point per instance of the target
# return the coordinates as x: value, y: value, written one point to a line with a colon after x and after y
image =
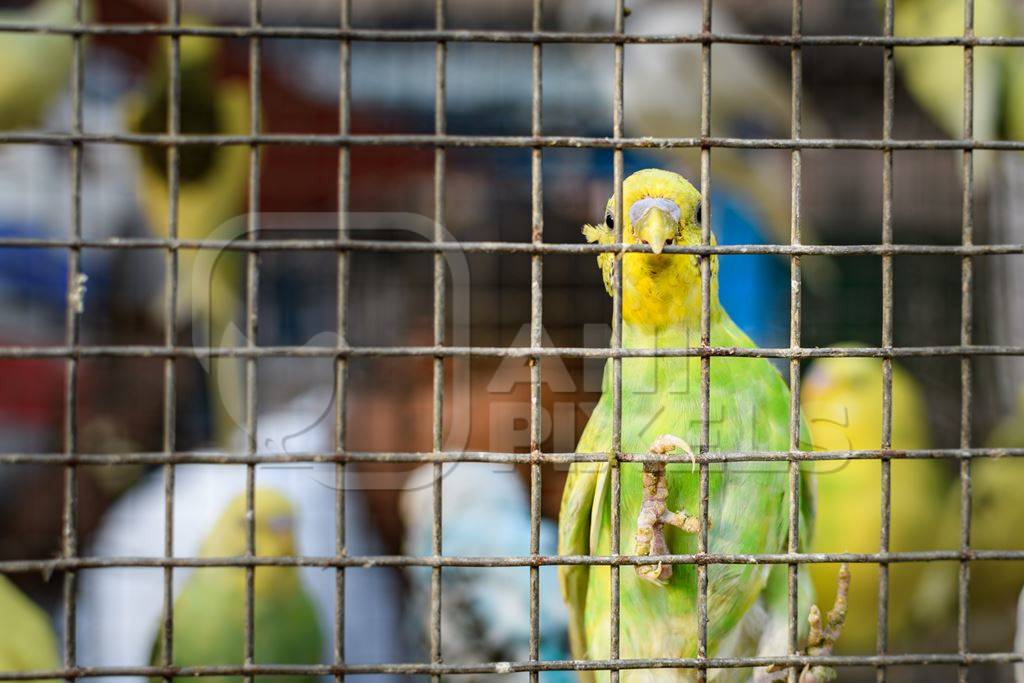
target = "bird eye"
x: 696, y: 214
x: 609, y: 220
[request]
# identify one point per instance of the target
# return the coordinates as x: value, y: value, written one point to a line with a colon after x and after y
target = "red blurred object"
x: 31, y: 391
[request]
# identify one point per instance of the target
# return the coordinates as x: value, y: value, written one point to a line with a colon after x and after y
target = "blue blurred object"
x: 485, y: 611
x: 39, y: 274
x: 752, y: 288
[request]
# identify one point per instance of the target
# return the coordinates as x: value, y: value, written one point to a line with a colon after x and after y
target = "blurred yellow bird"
x: 210, y: 613
x: 34, y: 67
x: 934, y: 74
x: 997, y: 518
x: 27, y: 642
x: 842, y: 402
x: 212, y: 191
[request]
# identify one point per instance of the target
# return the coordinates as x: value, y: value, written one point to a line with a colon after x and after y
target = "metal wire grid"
x: 70, y: 561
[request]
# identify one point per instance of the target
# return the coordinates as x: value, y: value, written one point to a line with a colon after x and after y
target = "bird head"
x: 200, y: 104
x: 660, y: 209
x: 841, y: 398
x: 274, y: 533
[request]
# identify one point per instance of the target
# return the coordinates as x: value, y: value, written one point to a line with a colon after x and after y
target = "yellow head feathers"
x: 274, y: 533
x: 842, y: 400
x: 660, y: 209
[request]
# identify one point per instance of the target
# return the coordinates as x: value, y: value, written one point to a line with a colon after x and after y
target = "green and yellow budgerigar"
x: 35, y: 67
x: 27, y: 641
x: 212, y: 191
x: 749, y: 411
x: 209, y: 613
x: 842, y: 402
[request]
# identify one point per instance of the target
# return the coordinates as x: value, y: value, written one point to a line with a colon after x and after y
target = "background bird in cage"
x: 485, y: 611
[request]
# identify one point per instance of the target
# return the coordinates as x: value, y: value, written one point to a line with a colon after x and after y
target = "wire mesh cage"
x: 260, y: 242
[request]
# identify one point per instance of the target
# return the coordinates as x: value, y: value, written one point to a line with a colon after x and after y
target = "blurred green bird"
x: 34, y: 67
x: 27, y: 641
x: 212, y: 191
x: 842, y: 401
x: 209, y: 614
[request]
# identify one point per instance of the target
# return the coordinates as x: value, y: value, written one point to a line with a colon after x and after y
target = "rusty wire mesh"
x: 71, y: 561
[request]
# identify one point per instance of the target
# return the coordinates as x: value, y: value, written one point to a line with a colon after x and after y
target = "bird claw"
x: 654, y: 513
x: 666, y: 443
x: 820, y: 639
x: 658, y: 574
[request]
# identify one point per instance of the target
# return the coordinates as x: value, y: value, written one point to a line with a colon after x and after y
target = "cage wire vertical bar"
x: 440, y: 128
x: 341, y: 362
x: 966, y: 315
x: 616, y: 340
x: 171, y: 327
x: 536, y: 338
x: 73, y: 311
x: 705, y: 337
x: 885, y: 481
x: 252, y: 322
x: 795, y: 321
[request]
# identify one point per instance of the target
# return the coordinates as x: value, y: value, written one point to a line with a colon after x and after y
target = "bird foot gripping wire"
x: 821, y: 638
x: 654, y: 512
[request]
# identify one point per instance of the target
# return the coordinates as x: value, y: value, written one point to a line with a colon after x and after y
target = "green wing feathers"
x: 574, y: 539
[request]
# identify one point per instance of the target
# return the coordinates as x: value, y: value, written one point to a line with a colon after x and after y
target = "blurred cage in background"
x: 507, y: 141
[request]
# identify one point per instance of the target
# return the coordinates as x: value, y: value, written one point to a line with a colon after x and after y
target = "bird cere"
x: 306, y: 372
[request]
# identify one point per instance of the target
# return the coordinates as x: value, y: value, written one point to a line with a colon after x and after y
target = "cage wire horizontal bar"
x: 524, y: 666
x: 492, y: 36
x: 435, y: 561
x: 139, y: 351
x: 528, y: 248
x: 495, y: 457
x: 501, y: 141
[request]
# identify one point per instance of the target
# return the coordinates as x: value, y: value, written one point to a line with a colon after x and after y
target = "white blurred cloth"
x: 485, y: 611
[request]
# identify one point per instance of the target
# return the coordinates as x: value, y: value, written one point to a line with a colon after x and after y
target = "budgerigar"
x: 35, y: 67
x: 211, y: 191
x: 27, y: 642
x: 118, y: 609
x: 749, y: 411
x: 997, y: 518
x: 933, y: 74
x: 842, y: 401
x: 209, y: 614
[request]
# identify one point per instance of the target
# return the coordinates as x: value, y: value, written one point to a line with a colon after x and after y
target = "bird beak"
x: 656, y: 228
